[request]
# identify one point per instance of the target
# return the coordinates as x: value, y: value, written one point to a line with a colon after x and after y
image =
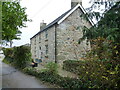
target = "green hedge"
x: 8, y: 52
x: 22, y: 56
x: 18, y: 56
x: 64, y: 82
x: 99, y: 74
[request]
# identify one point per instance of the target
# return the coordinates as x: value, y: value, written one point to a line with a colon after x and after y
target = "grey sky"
x: 39, y: 10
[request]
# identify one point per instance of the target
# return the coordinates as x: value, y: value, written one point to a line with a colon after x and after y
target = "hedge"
x: 63, y: 82
x: 18, y: 56
x: 99, y: 74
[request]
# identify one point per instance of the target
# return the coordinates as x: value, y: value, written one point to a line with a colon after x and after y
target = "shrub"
x: 44, y: 76
x: 6, y: 61
x: 97, y: 74
x: 22, y: 56
x: 17, y: 56
x: 51, y: 67
x: 103, y: 49
x: 64, y: 82
x: 30, y: 71
x: 71, y: 65
x: 8, y: 52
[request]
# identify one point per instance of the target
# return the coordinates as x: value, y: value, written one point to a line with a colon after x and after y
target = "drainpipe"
x: 55, y: 44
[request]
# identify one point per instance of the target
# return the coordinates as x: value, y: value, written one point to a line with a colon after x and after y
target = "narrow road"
x: 12, y: 78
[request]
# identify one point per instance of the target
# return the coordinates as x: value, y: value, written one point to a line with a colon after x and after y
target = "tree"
x: 13, y: 18
x: 0, y: 21
x: 107, y: 29
x: 98, y: 8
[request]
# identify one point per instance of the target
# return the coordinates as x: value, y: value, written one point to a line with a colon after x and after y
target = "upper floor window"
x: 39, y: 38
x: 46, y: 46
x: 40, y: 48
x: 35, y: 41
x: 46, y: 34
x: 41, y: 55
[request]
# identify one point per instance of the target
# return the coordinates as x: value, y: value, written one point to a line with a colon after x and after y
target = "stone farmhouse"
x: 58, y: 41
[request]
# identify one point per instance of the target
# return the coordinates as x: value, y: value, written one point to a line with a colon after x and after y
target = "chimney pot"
x: 75, y: 2
x: 42, y: 25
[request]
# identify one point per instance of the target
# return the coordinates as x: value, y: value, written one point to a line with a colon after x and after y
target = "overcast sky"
x: 39, y: 10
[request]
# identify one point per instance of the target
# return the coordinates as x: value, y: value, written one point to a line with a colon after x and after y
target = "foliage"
x: 96, y: 9
x: 0, y: 21
x: 6, y: 61
x: 108, y: 27
x: 101, y: 67
x: 8, y: 52
x: 30, y: 71
x: 97, y: 74
x: 22, y: 56
x: 104, y: 36
x: 64, y: 82
x: 18, y: 56
x: 13, y: 18
x: 51, y: 67
x: 103, y: 49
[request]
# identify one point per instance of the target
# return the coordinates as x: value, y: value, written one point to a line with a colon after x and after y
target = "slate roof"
x: 55, y: 21
x: 52, y: 23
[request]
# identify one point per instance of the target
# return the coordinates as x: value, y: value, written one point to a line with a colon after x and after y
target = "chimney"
x: 75, y: 2
x: 42, y: 25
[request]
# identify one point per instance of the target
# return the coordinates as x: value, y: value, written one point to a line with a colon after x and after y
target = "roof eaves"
x: 43, y: 30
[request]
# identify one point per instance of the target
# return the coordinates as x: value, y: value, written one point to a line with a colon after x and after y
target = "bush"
x: 64, y: 82
x: 30, y: 71
x: 71, y: 65
x: 44, y: 76
x: 97, y: 74
x: 51, y: 67
x: 6, y: 61
x: 8, y: 52
x: 22, y: 56
x: 17, y: 56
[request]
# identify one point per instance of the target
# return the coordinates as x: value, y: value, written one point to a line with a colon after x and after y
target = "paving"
x: 12, y: 78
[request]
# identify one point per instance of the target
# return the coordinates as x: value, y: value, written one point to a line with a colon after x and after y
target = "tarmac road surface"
x: 12, y: 78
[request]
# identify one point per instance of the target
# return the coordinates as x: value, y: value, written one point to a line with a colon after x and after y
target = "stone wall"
x: 68, y: 34
x: 33, y: 49
x: 38, y: 45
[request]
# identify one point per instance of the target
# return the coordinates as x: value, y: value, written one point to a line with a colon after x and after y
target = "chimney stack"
x: 42, y: 25
x: 75, y: 2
